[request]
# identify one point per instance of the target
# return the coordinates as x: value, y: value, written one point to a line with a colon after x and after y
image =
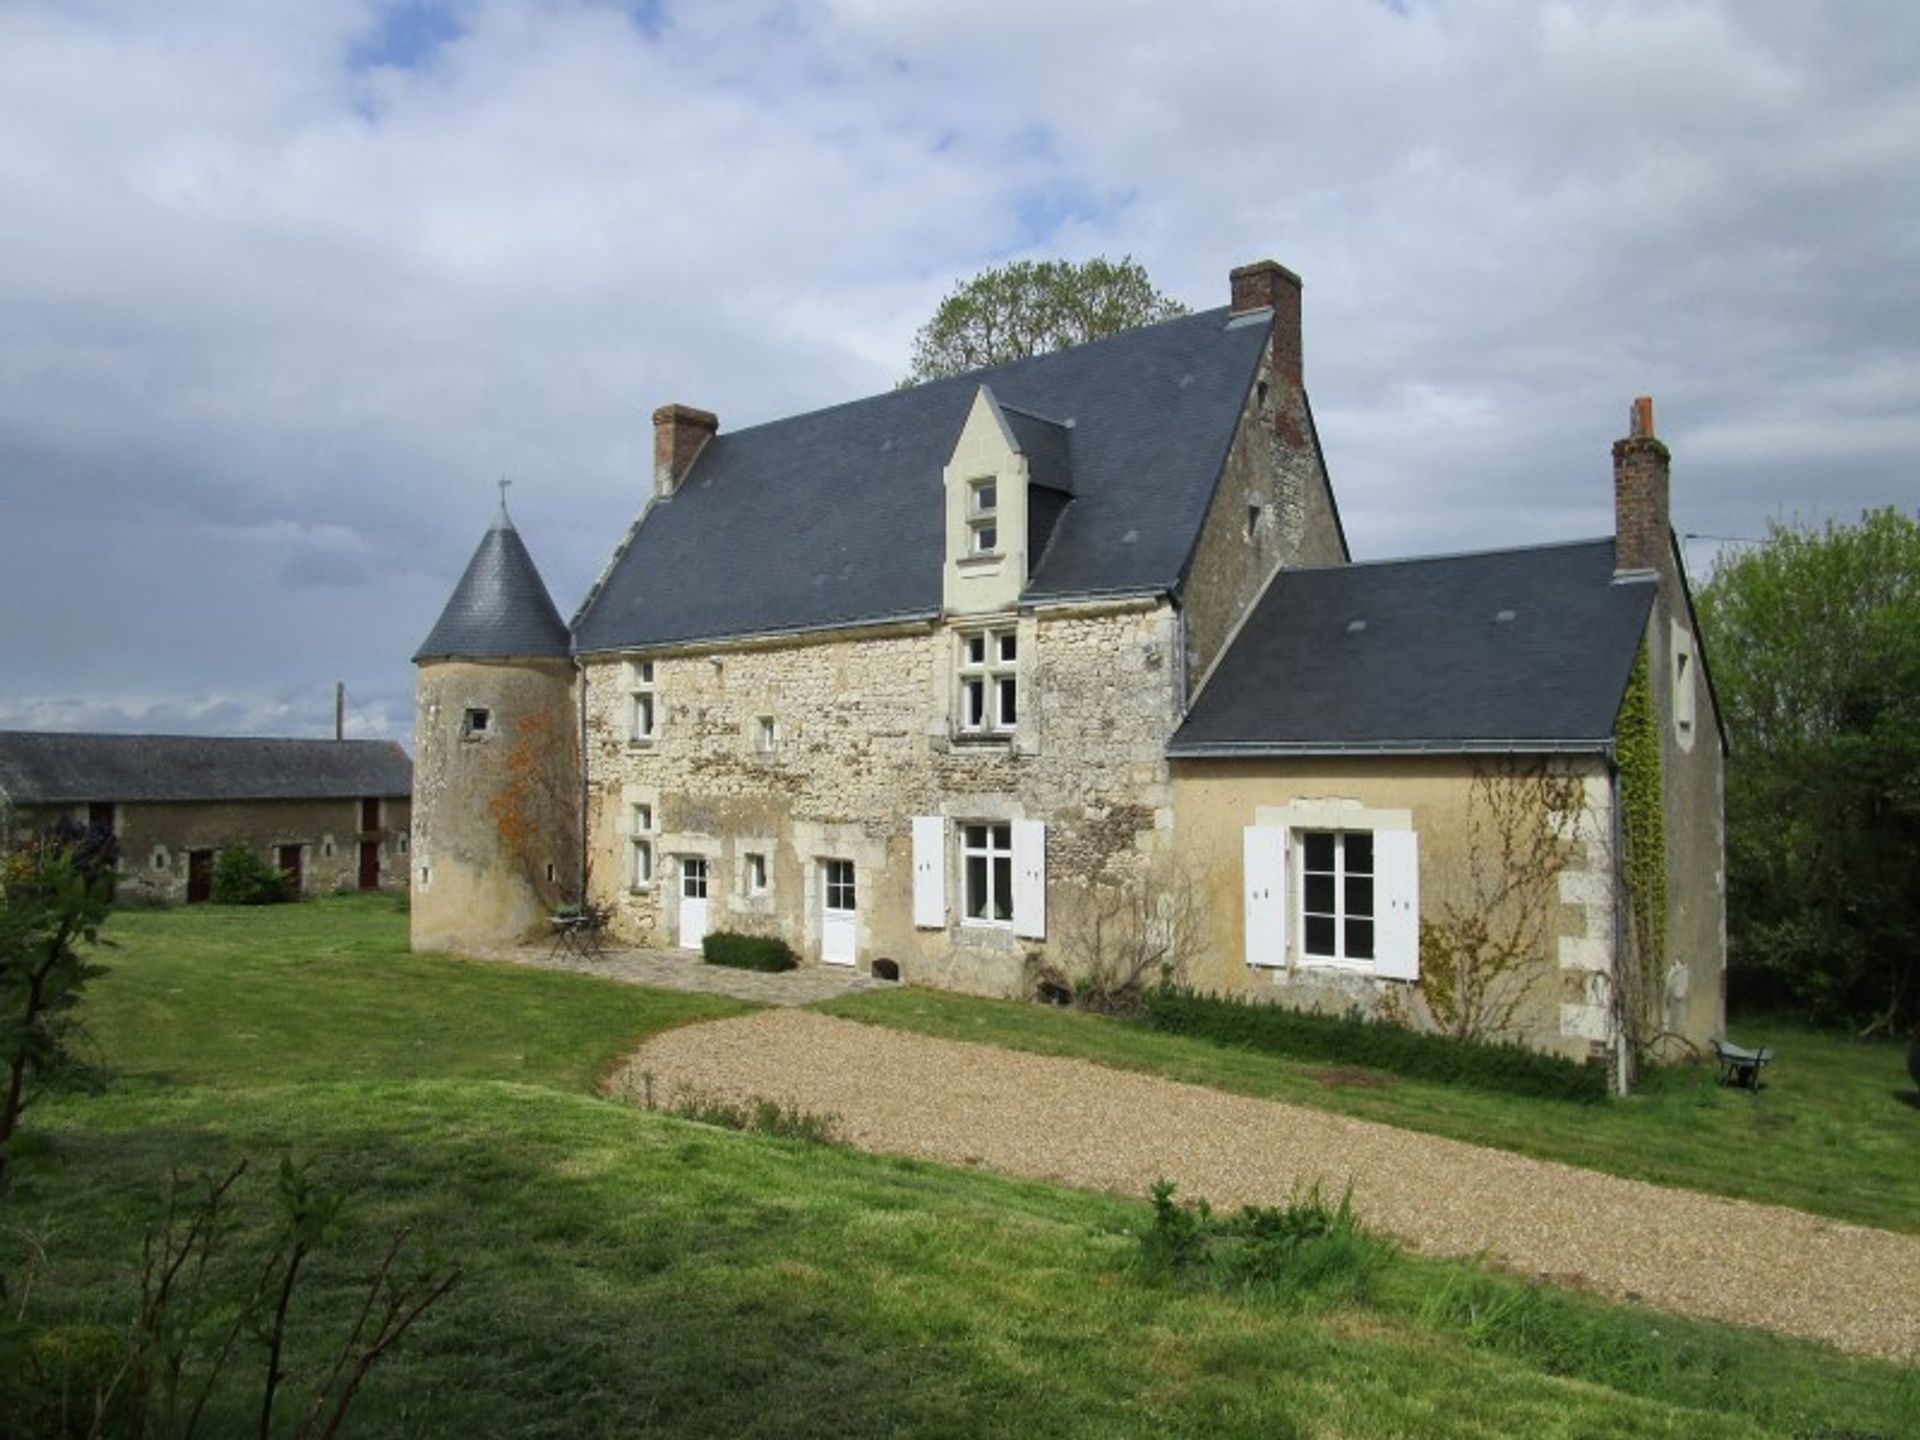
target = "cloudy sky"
x: 284, y: 289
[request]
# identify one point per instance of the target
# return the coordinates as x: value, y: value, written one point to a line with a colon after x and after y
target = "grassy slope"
x: 1832, y: 1132
x: 630, y: 1273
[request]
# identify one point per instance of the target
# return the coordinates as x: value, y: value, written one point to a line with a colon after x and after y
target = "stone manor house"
x: 961, y: 676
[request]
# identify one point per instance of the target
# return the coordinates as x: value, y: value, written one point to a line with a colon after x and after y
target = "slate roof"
x: 47, y: 768
x: 836, y: 517
x: 500, y: 609
x: 1509, y: 649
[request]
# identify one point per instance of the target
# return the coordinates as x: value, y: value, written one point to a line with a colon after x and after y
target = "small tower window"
x: 477, y: 723
x: 766, y: 734
x: 1253, y: 521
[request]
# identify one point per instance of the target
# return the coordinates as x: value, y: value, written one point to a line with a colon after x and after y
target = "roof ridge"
x: 1439, y: 556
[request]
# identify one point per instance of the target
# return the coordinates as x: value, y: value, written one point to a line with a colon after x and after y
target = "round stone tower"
x: 496, y: 757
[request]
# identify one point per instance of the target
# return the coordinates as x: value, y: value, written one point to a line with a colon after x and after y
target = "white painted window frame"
x: 995, y: 674
x: 992, y: 854
x: 643, y: 704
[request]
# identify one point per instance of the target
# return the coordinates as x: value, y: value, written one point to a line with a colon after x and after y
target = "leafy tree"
x: 1815, y: 644
x: 1031, y: 307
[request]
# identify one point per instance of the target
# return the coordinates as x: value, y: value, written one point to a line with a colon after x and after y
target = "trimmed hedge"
x: 747, y: 952
x: 1352, y: 1039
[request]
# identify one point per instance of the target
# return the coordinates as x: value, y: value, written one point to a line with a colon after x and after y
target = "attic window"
x: 477, y: 722
x: 983, y: 517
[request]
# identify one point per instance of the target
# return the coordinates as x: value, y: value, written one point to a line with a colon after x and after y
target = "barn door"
x: 199, y: 876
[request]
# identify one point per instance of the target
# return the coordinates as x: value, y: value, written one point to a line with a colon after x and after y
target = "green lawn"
x: 1835, y: 1130
x: 630, y: 1273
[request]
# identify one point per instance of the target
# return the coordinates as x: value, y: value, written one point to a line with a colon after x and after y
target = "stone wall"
x: 157, y: 840
x: 495, y: 815
x: 866, y: 739
x: 1273, y: 507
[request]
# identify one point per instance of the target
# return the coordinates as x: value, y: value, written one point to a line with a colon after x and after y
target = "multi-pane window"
x: 986, y: 859
x: 693, y: 878
x: 641, y: 701
x: 1336, y: 894
x: 989, y: 682
x: 640, y: 846
x: 839, y: 881
x: 983, y: 518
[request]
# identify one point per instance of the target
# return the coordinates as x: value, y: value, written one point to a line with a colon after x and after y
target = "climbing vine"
x: 1640, y: 987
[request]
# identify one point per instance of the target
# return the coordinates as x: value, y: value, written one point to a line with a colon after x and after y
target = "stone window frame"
x: 987, y: 690
x: 983, y: 517
x: 756, y: 875
x: 640, y: 858
x: 643, y: 703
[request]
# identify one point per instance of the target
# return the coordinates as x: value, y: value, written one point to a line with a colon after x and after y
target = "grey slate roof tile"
x: 1456, y: 652
x: 835, y: 517
x: 49, y: 768
x: 500, y: 609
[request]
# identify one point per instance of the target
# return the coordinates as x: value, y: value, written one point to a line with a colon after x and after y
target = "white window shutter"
x: 1264, y: 872
x: 1030, y: 879
x: 929, y: 872
x: 1396, y: 925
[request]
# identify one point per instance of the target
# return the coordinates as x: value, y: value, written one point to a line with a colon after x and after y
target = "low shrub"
x: 748, y: 952
x: 762, y: 1116
x: 241, y: 877
x: 1354, y: 1040
x: 1308, y: 1247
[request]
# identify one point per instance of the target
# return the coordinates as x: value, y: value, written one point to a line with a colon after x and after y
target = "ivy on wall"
x: 1642, y: 982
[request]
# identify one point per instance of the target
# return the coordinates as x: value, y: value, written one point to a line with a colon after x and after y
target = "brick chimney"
x: 1642, y: 533
x: 1269, y: 285
x: 680, y: 432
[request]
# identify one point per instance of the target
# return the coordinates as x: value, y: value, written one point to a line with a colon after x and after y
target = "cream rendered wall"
x: 1215, y: 800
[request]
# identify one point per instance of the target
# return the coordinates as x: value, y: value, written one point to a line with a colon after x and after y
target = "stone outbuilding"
x: 922, y: 683
x: 335, y: 814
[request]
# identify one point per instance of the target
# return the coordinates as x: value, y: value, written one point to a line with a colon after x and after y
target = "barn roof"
x: 53, y: 768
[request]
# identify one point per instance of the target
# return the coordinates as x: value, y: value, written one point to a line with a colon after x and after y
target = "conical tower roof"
x: 500, y: 609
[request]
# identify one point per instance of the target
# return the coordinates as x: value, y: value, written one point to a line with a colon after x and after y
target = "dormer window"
x: 983, y: 517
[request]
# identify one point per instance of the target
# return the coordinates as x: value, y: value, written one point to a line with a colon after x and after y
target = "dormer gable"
x: 1005, y: 484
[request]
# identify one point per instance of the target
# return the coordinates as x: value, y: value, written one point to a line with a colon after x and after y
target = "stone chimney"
x: 680, y: 432
x: 1642, y: 528
x: 1267, y: 284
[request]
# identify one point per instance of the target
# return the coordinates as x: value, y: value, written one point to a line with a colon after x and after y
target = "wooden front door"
x: 369, y: 814
x: 369, y: 864
x: 199, y: 876
x: 290, y: 862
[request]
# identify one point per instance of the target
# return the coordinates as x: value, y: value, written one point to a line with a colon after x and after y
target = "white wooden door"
x: 838, y: 913
x: 693, y: 901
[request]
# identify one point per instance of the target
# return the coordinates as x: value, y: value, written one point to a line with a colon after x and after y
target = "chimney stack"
x: 679, y: 434
x: 1641, y: 487
x: 1269, y: 285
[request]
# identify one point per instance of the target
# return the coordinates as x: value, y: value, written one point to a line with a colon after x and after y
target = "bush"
x: 241, y: 877
x: 1309, y: 1247
x: 748, y: 952
x: 1353, y: 1040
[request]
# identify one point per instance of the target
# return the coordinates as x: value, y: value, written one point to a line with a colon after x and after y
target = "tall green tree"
x: 1814, y: 638
x: 1031, y: 307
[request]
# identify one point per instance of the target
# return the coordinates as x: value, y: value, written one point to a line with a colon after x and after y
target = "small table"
x: 577, y: 935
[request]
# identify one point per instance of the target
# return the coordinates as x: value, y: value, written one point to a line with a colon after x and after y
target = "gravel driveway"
x: 1086, y: 1125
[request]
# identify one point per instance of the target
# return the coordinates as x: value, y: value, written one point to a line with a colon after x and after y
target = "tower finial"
x: 503, y: 521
